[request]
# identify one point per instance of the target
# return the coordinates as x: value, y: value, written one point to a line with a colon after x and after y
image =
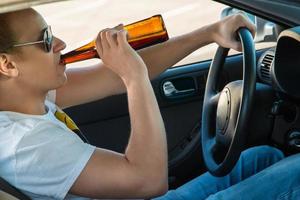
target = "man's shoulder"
x: 16, y: 124
x: 17, y: 121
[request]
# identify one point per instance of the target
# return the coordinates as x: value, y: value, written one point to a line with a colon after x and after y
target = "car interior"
x: 213, y: 109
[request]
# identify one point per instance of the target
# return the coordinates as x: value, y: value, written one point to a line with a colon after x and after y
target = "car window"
x: 78, y: 22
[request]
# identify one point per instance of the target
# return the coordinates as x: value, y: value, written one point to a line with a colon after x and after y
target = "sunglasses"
x: 47, y: 40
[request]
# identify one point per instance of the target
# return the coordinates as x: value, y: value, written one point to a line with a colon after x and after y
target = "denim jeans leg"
x: 280, y: 181
x: 251, y: 162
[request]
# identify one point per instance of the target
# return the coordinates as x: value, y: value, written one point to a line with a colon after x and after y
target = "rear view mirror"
x: 265, y: 30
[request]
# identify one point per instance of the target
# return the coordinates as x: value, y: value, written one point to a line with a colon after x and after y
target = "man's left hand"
x: 224, y: 32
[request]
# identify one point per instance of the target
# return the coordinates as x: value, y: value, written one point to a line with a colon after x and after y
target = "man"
x: 40, y: 155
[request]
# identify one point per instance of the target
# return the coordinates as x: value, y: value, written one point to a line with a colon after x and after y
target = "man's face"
x: 39, y: 70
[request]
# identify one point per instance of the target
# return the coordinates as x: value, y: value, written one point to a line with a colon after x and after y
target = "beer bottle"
x: 141, y: 34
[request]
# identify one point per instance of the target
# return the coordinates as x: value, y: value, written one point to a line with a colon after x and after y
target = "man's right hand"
x: 117, y: 55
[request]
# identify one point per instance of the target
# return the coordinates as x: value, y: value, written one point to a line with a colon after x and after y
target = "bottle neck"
x: 75, y: 56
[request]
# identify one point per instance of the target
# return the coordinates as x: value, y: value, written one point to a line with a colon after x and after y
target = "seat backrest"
x: 6, y: 196
x: 8, y: 191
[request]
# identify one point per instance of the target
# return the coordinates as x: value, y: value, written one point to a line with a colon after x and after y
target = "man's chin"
x: 64, y: 80
x: 61, y: 82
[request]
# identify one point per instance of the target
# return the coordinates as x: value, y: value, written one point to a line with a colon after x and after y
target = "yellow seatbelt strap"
x: 63, y: 117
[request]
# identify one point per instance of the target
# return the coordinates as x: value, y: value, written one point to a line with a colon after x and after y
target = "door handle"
x: 170, y: 90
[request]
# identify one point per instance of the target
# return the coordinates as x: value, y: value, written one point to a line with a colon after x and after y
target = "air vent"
x: 265, y: 67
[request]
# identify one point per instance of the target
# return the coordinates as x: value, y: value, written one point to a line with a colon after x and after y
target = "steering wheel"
x: 226, y: 113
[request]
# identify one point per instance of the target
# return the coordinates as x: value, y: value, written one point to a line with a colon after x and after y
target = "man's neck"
x: 23, y: 102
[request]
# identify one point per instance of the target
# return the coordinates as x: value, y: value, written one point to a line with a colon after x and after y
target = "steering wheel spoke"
x: 214, y: 99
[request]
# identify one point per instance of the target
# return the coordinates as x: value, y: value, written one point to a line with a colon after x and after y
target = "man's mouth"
x: 61, y: 60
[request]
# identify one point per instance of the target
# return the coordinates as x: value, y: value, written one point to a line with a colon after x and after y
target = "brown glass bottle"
x: 141, y: 34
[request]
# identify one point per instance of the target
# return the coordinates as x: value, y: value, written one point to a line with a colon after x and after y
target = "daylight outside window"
x: 77, y: 22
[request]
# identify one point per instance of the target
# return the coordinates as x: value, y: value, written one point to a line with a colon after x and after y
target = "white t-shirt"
x: 39, y: 154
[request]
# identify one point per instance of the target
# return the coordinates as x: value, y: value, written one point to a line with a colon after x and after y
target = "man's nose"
x: 58, y: 45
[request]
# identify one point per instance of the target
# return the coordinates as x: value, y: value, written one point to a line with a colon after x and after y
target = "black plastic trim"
x: 283, y: 13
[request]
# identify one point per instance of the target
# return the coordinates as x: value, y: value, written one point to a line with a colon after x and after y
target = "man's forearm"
x: 147, y: 147
x: 162, y: 56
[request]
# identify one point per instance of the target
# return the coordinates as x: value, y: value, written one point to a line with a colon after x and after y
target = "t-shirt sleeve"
x: 49, y: 159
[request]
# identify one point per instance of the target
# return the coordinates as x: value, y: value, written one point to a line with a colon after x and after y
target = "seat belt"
x: 63, y: 117
x: 9, y: 189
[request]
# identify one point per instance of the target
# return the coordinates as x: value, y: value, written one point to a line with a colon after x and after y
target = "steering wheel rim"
x: 210, y: 140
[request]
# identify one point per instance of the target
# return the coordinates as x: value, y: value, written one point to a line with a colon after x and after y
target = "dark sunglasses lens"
x: 48, y: 38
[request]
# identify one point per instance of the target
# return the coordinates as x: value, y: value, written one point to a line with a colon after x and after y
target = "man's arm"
x: 97, y: 82
x: 142, y: 171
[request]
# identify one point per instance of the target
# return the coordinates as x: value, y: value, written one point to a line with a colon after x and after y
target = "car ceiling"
x: 283, y: 12
x: 13, y: 5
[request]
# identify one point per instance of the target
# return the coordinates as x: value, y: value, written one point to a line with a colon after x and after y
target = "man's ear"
x: 7, y: 66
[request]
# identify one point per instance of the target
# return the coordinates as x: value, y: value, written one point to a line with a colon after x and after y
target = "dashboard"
x: 279, y: 67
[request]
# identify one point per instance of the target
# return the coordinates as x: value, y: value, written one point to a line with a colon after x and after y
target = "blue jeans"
x: 253, y: 177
